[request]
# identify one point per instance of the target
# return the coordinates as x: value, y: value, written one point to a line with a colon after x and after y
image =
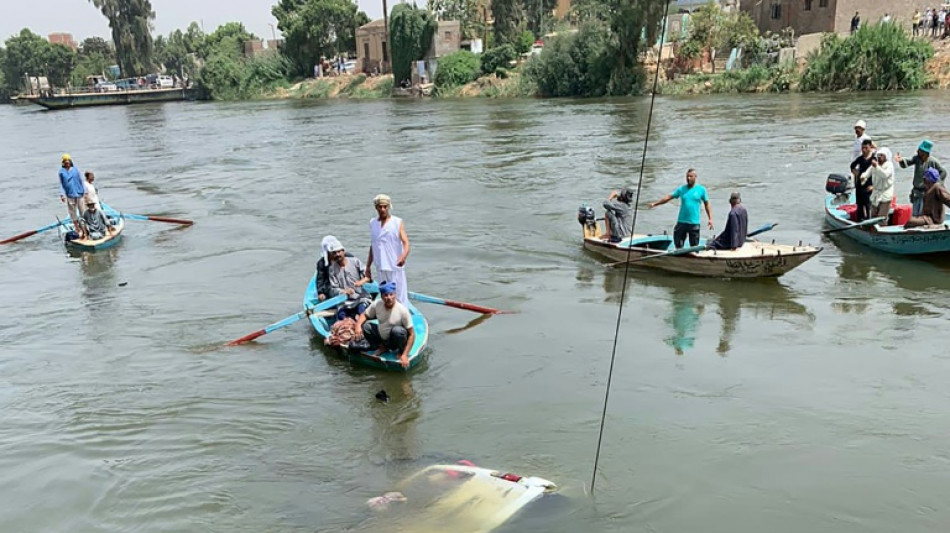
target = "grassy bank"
x: 357, y: 87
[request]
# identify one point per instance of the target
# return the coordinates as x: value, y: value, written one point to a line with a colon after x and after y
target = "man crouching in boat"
x: 95, y: 224
x: 618, y: 214
x: 737, y: 226
x: 935, y: 198
x: 346, y: 275
x: 394, y: 331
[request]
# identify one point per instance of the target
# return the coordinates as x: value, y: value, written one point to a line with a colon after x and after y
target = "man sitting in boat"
x: 346, y: 275
x: 692, y: 197
x: 618, y: 215
x: 394, y: 331
x: 323, y: 269
x: 95, y: 223
x: 934, y: 201
x: 737, y: 226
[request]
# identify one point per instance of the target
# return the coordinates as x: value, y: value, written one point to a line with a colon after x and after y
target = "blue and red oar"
x: 31, y: 233
x: 323, y: 306
x: 458, y: 305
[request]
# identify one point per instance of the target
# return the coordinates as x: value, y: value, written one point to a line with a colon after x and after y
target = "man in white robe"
x: 389, y: 247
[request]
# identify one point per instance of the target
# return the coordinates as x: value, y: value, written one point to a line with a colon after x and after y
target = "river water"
x: 815, y: 402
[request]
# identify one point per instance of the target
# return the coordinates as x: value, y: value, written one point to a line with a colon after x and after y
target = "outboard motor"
x: 586, y: 216
x: 837, y: 184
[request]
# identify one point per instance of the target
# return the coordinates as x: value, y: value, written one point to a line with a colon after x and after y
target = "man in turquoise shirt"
x: 691, y: 197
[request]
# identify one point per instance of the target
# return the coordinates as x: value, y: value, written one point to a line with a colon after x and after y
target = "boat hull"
x: 144, y: 96
x: 389, y: 360
x: 85, y: 245
x: 928, y: 240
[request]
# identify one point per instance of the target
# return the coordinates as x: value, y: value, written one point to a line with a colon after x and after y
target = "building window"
x: 807, y: 5
x: 822, y: 3
x: 448, y: 36
x: 776, y: 11
x: 366, y: 50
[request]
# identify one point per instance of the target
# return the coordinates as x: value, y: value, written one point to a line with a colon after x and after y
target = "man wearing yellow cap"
x: 71, y: 190
x: 389, y: 247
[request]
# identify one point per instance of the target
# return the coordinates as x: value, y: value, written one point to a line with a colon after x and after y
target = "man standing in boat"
x: 922, y: 161
x: 935, y: 200
x: 619, y: 215
x: 860, y: 135
x: 692, y: 197
x: 71, y: 190
x: 737, y: 226
x: 394, y: 330
x: 389, y: 247
x: 862, y: 190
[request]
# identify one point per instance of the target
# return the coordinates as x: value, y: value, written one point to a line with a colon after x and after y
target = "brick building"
x: 818, y: 16
x: 64, y: 39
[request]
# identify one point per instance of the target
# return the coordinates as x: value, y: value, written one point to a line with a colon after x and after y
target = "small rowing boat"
x: 753, y: 260
x: 94, y: 245
x: 890, y: 235
x: 322, y: 321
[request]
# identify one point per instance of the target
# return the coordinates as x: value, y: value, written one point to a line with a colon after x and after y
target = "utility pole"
x: 273, y: 32
x: 385, y: 32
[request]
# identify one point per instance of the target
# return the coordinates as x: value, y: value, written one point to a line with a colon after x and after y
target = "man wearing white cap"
x: 859, y: 133
x: 389, y: 247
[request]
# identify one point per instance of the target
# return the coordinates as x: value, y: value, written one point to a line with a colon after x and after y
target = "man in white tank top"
x: 389, y: 248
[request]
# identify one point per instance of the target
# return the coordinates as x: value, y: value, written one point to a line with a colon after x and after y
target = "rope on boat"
x: 626, y: 269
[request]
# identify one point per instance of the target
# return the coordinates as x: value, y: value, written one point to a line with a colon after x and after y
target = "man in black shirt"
x: 862, y: 191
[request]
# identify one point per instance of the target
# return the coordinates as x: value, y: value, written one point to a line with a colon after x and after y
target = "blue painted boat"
x: 388, y: 360
x: 89, y: 245
x: 889, y: 236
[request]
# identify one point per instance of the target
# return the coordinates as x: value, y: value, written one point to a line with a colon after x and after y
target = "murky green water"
x: 817, y: 402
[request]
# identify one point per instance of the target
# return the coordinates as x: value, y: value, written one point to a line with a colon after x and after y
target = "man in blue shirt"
x: 71, y: 190
x: 691, y: 197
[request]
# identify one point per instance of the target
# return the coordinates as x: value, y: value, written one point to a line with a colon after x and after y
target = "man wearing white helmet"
x: 860, y: 128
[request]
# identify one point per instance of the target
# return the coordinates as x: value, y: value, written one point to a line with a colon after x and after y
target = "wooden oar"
x: 680, y: 251
x: 322, y: 306
x: 868, y: 222
x: 133, y: 216
x: 458, y: 305
x: 31, y: 233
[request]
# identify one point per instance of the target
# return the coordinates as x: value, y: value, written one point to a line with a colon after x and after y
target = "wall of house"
x: 370, y: 38
x: 447, y: 39
x: 901, y: 11
x: 815, y: 16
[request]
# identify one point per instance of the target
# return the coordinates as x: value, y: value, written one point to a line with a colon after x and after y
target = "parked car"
x: 166, y: 82
x: 349, y: 66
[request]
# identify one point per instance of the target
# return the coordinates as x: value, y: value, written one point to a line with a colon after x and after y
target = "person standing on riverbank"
x: 71, y: 190
x: 855, y: 22
x: 692, y: 196
x: 921, y: 162
x: 915, y: 22
x: 389, y: 247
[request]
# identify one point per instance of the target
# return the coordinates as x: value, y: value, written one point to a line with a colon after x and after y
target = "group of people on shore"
x: 78, y: 192
x: 341, y: 273
x: 694, y: 199
x: 873, y: 172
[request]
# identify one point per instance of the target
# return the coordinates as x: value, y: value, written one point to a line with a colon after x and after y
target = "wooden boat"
x: 134, y: 96
x: 459, y: 497
x: 890, y: 236
x: 752, y: 260
x: 388, y: 360
x: 94, y: 245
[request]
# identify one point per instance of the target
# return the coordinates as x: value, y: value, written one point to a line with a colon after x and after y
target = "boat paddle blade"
x: 868, y: 222
x: 763, y: 229
x: 133, y: 216
x: 21, y: 236
x: 458, y: 305
x: 324, y: 305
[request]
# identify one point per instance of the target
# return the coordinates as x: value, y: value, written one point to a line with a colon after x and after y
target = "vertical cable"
x: 626, y: 269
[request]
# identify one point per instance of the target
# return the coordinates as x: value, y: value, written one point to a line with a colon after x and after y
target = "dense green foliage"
x: 525, y: 42
x: 32, y: 54
x: 228, y: 75
x: 509, y: 16
x: 457, y: 68
x: 130, y: 22
x: 317, y: 28
x: 97, y: 45
x: 175, y: 54
x: 410, y: 32
x: 575, y: 64
x: 875, y: 58
x: 471, y: 20
x: 498, y: 57
x: 755, y: 79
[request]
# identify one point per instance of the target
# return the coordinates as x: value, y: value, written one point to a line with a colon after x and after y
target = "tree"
x: 129, y: 21
x: 26, y: 53
x: 229, y: 39
x: 509, y: 20
x: 410, y: 32
x: 317, y: 28
x: 194, y: 38
x: 630, y: 22
x: 467, y: 12
x: 173, y: 55
x: 96, y: 45
x: 538, y: 15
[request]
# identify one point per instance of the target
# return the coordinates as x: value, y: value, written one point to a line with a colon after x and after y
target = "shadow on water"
x: 692, y: 298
